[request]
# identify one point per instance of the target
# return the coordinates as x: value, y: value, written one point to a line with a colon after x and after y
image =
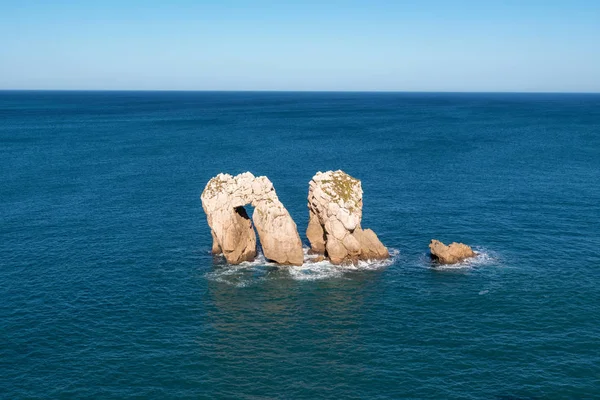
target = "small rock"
x: 451, y: 254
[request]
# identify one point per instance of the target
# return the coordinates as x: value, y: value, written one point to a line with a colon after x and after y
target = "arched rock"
x: 223, y: 201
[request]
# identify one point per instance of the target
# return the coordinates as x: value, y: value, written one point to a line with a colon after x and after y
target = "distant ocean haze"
x: 109, y: 288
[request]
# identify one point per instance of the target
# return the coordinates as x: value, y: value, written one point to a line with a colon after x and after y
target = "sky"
x: 377, y: 45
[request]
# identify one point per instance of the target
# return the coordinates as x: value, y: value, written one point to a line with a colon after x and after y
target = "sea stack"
x: 223, y: 201
x: 451, y: 254
x: 335, y: 213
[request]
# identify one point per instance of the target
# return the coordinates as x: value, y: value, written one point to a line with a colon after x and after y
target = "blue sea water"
x: 108, y: 288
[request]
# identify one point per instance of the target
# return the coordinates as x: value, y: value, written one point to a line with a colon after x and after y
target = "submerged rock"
x: 223, y: 201
x: 335, y: 213
x: 451, y: 254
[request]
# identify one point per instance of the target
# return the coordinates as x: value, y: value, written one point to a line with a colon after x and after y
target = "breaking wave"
x: 315, y: 270
x: 250, y: 272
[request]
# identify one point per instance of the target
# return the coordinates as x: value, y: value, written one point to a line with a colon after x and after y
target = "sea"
x: 108, y: 289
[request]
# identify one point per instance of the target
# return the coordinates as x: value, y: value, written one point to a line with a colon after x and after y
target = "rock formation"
x: 223, y: 201
x: 451, y: 254
x: 335, y: 213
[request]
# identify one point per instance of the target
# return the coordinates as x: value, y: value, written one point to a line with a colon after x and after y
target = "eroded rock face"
x: 223, y: 201
x: 451, y: 254
x: 335, y: 213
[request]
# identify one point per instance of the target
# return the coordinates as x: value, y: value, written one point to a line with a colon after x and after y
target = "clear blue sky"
x: 484, y: 45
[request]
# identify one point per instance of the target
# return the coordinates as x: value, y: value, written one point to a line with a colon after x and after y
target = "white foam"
x: 315, y: 270
x: 245, y: 273
x: 235, y: 275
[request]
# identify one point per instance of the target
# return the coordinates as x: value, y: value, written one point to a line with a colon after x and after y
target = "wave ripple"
x: 261, y: 269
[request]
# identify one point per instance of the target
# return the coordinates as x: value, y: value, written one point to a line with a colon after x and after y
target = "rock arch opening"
x: 247, y: 211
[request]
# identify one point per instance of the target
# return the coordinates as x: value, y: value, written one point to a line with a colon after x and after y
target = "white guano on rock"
x: 335, y: 213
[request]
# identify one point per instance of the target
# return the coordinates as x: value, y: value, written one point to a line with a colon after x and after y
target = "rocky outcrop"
x: 451, y: 254
x: 223, y: 201
x: 335, y: 213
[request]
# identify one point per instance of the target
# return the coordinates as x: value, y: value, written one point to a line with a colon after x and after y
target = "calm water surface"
x: 109, y: 290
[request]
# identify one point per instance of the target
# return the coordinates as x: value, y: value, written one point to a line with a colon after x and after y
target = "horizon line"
x: 299, y: 91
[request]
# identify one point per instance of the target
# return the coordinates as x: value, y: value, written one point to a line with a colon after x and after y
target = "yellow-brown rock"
x: 335, y: 213
x: 451, y: 254
x: 223, y: 201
